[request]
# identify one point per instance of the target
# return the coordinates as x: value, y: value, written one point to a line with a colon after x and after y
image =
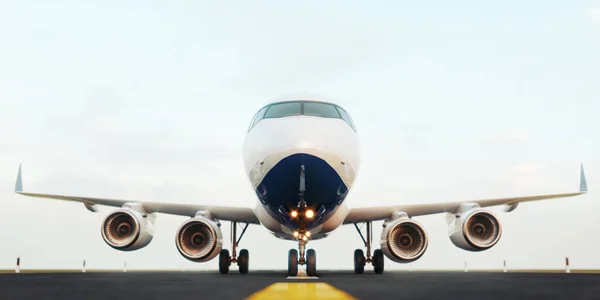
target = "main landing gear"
x: 302, y: 214
x: 242, y: 260
x: 359, y: 256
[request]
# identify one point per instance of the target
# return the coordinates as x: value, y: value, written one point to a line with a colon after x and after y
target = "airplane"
x: 301, y: 158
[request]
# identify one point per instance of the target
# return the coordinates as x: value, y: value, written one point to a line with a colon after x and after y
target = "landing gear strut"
x: 359, y: 257
x: 302, y: 214
x: 242, y: 260
x: 310, y: 259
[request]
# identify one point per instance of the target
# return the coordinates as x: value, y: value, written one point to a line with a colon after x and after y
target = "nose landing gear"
x: 310, y: 259
x: 302, y: 214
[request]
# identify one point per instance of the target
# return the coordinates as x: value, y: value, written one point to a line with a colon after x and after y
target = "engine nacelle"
x: 199, y: 239
x: 403, y: 240
x: 127, y: 230
x: 475, y: 230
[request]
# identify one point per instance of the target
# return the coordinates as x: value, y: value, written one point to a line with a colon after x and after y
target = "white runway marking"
x: 302, y: 276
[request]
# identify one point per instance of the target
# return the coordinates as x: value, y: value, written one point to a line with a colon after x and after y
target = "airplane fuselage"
x: 275, y: 149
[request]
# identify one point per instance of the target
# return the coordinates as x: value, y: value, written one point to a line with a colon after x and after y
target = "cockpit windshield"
x: 297, y: 108
x: 283, y: 110
x: 321, y: 110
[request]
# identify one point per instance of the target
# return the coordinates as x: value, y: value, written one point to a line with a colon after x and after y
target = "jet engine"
x: 127, y: 230
x: 403, y: 240
x: 475, y: 230
x: 199, y: 239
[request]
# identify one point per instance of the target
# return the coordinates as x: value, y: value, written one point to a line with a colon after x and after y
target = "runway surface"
x: 275, y: 285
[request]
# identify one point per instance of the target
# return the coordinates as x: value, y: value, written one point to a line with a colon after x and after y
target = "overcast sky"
x: 453, y: 101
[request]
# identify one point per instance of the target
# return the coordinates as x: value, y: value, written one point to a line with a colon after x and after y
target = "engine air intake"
x: 199, y: 239
x: 482, y: 230
x: 120, y: 229
x: 404, y: 241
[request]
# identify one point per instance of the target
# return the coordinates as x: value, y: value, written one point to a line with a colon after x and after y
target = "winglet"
x: 582, y: 182
x: 19, y: 183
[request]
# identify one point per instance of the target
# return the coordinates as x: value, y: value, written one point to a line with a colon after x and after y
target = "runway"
x: 275, y: 285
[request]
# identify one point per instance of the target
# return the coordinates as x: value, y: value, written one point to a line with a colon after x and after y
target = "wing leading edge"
x: 225, y: 213
x: 364, y: 214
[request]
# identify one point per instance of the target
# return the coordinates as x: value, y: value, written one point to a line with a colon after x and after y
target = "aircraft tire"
x: 293, y: 262
x: 311, y: 262
x: 359, y: 261
x: 224, y: 261
x: 378, y: 261
x: 243, y: 261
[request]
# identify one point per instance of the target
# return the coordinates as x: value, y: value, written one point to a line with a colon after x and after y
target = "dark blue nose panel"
x: 279, y: 190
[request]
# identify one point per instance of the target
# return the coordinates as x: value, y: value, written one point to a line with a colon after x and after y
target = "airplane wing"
x: 365, y: 214
x: 225, y: 213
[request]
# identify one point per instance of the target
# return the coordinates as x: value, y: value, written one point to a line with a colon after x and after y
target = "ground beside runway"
x: 274, y: 285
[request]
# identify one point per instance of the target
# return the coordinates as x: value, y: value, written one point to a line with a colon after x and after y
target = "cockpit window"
x: 297, y: 108
x: 323, y: 110
x: 259, y: 115
x: 346, y: 117
x: 287, y: 109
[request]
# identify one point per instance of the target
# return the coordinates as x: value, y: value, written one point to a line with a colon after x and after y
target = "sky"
x: 151, y: 101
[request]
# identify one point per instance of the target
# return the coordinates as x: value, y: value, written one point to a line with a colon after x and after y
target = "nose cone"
x: 307, y: 133
x: 332, y: 140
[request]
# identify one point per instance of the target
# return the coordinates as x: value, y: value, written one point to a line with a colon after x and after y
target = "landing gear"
x: 359, y: 257
x: 310, y: 261
x: 242, y: 260
x: 302, y: 214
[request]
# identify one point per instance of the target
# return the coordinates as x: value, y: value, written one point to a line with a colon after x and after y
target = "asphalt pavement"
x: 276, y: 285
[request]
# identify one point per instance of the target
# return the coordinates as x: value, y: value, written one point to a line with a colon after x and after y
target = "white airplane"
x: 301, y: 158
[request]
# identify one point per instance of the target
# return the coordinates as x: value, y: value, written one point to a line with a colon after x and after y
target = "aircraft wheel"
x: 311, y: 262
x: 359, y: 261
x: 378, y: 261
x: 224, y: 261
x: 243, y: 261
x: 293, y: 262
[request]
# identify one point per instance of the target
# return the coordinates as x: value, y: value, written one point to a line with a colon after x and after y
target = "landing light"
x: 308, y: 233
x: 310, y: 213
x: 294, y: 213
x: 305, y: 238
x: 296, y: 233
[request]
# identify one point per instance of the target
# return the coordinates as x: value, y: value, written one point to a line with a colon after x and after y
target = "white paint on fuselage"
x: 272, y: 140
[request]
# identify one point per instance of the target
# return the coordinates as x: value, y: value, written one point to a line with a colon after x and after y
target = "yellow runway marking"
x: 300, y: 290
